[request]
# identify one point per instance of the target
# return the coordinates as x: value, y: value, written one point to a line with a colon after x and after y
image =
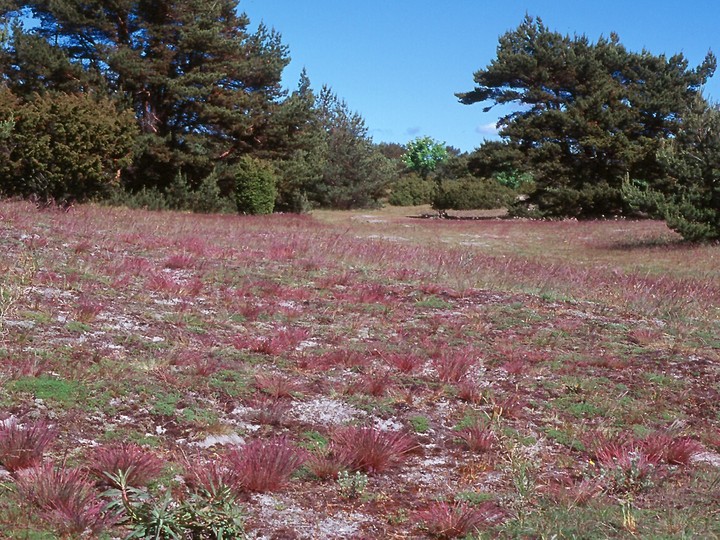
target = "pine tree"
x: 355, y: 174
x: 690, y: 202
x: 590, y: 113
x: 203, y: 88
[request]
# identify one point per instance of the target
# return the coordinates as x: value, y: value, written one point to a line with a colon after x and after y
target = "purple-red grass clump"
x: 445, y: 520
x: 453, y: 366
x: 277, y: 385
x: 671, y: 450
x: 23, y: 446
x: 65, y: 498
x: 372, y: 450
x: 478, y: 438
x: 139, y: 465
x: 265, y: 465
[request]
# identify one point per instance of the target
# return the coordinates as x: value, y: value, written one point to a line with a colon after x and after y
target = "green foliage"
x: 146, y: 199
x: 497, y: 157
x: 412, y: 190
x: 424, y: 154
x: 355, y: 173
x: 65, y: 147
x: 211, y: 514
x: 691, y: 206
x: 301, y: 167
x: 515, y: 180
x: 588, y: 113
x: 472, y: 194
x: 255, y: 187
x: 202, y: 86
x: 420, y: 424
x: 48, y: 388
x: 352, y: 486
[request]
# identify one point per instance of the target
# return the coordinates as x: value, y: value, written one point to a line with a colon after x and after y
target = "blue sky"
x: 400, y: 62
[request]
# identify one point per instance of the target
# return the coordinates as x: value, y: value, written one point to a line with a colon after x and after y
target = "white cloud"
x: 487, y: 129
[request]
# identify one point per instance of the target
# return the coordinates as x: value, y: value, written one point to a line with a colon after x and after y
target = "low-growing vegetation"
x: 348, y: 375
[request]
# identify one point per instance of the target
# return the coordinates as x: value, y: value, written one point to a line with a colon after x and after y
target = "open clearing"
x: 549, y: 378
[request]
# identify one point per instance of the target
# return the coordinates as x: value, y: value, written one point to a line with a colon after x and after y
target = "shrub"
x: 66, y: 147
x: 207, y: 198
x: 255, y: 190
x: 516, y: 180
x: 412, y: 191
x: 140, y: 466
x: 146, y: 199
x: 371, y: 450
x: 22, y: 447
x: 472, y: 194
x: 689, y: 202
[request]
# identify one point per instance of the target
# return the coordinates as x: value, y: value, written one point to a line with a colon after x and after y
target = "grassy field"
x: 356, y: 375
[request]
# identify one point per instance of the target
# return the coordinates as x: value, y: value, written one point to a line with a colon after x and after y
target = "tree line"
x: 177, y: 104
x: 172, y: 103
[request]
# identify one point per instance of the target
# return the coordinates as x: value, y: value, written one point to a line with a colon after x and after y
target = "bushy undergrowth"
x: 472, y: 194
x: 412, y: 191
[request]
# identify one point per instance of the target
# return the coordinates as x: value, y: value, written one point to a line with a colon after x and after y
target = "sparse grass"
x: 516, y: 352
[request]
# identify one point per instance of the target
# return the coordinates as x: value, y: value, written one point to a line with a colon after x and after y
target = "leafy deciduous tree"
x: 424, y: 154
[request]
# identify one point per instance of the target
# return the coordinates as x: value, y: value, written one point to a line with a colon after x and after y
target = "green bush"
x: 412, y: 191
x: 473, y: 194
x: 208, y: 199
x: 255, y: 190
x: 146, y: 199
x: 65, y: 147
x: 516, y: 180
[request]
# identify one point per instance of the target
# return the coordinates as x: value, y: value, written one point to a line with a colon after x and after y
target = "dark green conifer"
x: 588, y: 113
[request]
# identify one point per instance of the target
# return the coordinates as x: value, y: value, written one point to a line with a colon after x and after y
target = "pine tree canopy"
x: 587, y: 114
x: 202, y: 86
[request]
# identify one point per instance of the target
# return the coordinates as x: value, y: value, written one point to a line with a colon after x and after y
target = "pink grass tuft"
x: 444, y: 520
x: 65, y: 498
x: 22, y: 447
x: 140, y: 466
x: 671, y: 450
x: 266, y: 465
x: 371, y: 450
x: 453, y: 367
x: 179, y: 262
x: 209, y: 476
x: 276, y: 385
x: 404, y: 362
x: 478, y: 438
